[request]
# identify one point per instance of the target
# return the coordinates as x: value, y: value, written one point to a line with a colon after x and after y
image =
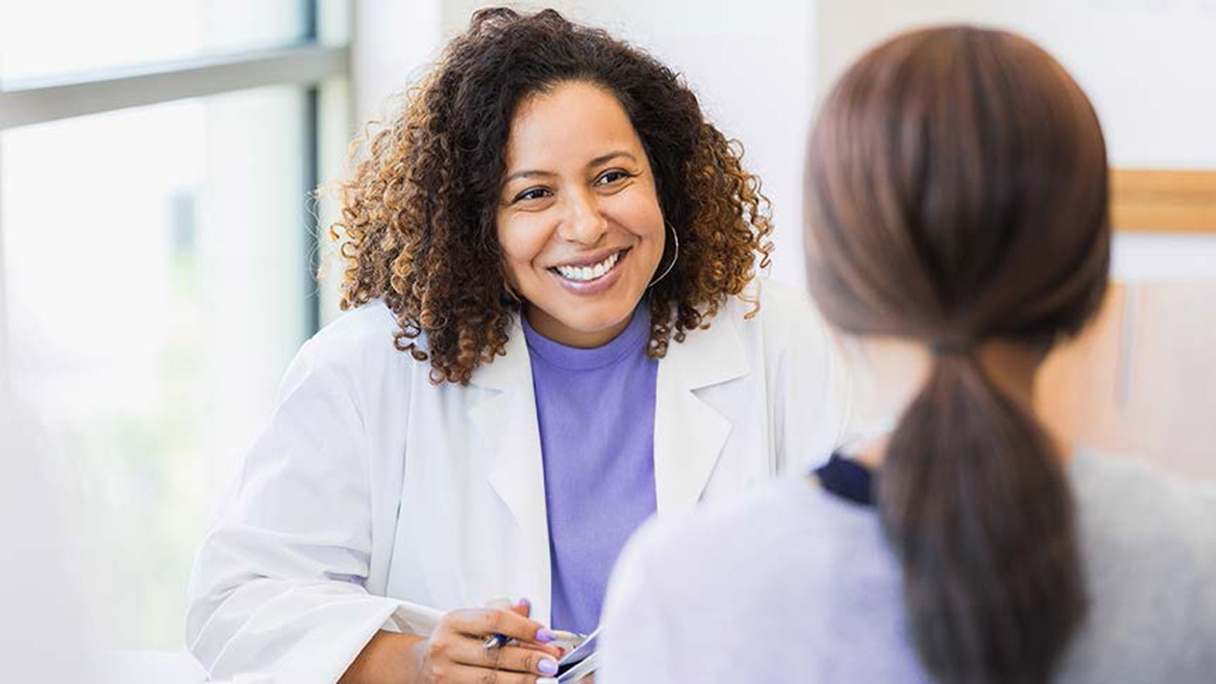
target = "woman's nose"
x: 584, y: 222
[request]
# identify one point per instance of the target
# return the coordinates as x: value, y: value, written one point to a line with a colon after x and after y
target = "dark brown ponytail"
x: 976, y: 507
x: 957, y: 195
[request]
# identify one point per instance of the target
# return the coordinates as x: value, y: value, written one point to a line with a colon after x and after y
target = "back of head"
x: 957, y: 196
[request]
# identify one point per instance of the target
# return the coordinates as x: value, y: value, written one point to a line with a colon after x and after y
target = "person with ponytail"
x: 957, y: 228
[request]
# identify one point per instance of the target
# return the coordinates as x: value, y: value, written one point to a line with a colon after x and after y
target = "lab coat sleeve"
x: 277, y: 585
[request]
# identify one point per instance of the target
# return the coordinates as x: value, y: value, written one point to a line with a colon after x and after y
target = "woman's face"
x: 578, y: 216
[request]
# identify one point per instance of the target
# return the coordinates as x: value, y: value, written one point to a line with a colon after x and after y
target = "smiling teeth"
x: 585, y: 273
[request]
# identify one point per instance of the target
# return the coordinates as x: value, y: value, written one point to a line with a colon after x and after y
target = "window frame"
x: 307, y: 63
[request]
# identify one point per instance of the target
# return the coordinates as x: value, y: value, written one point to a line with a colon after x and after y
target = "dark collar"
x: 847, y: 479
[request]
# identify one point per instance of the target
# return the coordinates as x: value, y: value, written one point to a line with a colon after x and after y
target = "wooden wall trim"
x: 1163, y: 201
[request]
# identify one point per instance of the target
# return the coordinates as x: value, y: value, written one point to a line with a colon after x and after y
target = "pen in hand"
x: 497, y: 640
x: 524, y: 608
x: 453, y: 650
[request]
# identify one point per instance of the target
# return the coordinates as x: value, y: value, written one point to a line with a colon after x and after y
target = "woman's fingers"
x: 456, y: 652
x: 483, y: 622
x: 548, y: 649
x: 507, y: 658
x: 523, y: 608
x: 463, y: 674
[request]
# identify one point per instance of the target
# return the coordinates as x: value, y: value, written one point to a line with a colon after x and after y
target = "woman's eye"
x: 610, y: 177
x: 534, y: 193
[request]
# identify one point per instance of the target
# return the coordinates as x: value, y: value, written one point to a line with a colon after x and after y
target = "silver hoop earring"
x: 676, y: 240
x: 510, y: 292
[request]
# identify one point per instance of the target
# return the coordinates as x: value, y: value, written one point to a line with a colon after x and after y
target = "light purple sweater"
x: 596, y: 414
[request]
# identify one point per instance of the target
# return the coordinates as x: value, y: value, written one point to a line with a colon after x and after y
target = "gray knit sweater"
x: 797, y: 585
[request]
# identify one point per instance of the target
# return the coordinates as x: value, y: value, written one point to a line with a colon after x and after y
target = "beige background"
x: 1140, y: 380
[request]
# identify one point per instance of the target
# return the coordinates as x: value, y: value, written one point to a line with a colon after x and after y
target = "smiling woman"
x: 480, y: 125
x: 579, y: 223
x: 565, y: 249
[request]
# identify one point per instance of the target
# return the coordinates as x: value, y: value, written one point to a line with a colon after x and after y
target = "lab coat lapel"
x: 689, y: 434
x: 506, y: 418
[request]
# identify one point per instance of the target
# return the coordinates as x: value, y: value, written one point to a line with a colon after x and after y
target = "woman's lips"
x: 596, y: 284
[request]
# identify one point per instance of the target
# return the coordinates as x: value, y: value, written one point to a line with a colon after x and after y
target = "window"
x: 58, y: 37
x: 156, y: 261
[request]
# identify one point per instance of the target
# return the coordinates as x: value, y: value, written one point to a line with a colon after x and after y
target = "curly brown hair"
x: 418, y: 212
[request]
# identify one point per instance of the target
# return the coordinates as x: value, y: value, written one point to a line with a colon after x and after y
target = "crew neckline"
x: 577, y: 358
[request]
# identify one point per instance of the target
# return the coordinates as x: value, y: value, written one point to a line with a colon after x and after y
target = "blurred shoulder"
x: 1149, y: 551
x: 1135, y: 498
x: 1161, y: 521
x: 774, y: 522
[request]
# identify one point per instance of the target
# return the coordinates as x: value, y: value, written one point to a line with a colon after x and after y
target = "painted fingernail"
x: 547, y: 666
x: 545, y: 636
x: 525, y: 602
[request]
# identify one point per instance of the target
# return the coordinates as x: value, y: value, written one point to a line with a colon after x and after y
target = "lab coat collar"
x: 509, y: 371
x: 705, y: 357
x: 506, y: 418
x: 689, y: 434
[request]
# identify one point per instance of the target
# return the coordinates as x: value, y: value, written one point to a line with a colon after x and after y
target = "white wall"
x: 1146, y: 65
x: 391, y: 41
x: 760, y: 66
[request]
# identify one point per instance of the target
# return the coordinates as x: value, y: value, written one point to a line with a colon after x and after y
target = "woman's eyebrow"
x: 528, y: 173
x: 605, y: 158
x: 602, y: 159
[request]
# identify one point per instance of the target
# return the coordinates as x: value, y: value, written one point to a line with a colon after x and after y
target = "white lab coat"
x: 377, y: 500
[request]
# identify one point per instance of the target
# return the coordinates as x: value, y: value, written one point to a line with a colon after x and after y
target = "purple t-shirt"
x: 596, y: 413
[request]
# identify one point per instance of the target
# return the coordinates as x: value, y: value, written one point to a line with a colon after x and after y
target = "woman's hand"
x: 455, y: 653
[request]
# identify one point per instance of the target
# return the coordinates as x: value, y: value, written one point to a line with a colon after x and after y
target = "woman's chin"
x: 588, y: 326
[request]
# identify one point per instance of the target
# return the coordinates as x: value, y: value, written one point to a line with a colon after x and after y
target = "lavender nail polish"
x: 547, y: 666
x: 544, y: 636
